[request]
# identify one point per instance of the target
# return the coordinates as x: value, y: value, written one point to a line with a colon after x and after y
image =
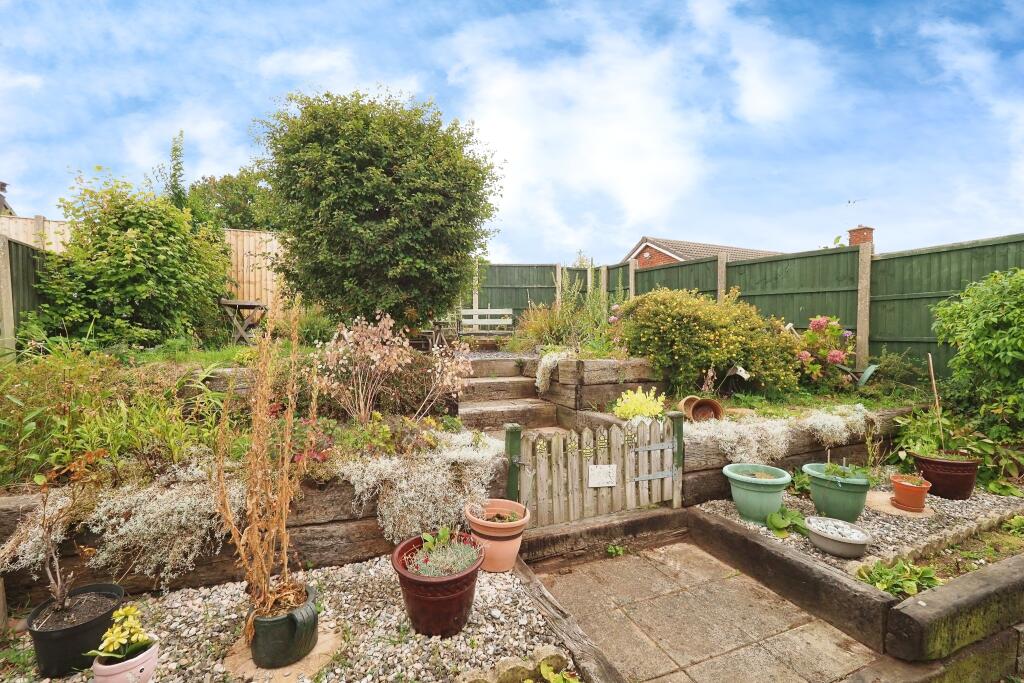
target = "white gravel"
x: 363, y: 602
x: 891, y: 536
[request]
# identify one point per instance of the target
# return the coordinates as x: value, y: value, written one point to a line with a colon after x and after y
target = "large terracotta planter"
x: 285, y: 639
x: 436, y: 605
x: 62, y: 651
x: 953, y: 479
x: 500, y: 540
x: 138, y: 669
x: 908, y: 495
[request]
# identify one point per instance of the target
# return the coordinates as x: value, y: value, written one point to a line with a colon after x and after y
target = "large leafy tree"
x: 383, y: 203
x: 239, y: 201
x: 135, y: 270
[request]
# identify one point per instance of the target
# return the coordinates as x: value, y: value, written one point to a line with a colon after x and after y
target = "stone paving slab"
x: 676, y: 614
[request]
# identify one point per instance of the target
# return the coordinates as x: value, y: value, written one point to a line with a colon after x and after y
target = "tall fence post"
x: 678, y: 455
x: 632, y: 278
x: 476, y: 289
x: 590, y: 278
x: 558, y: 284
x: 7, y: 331
x: 723, y: 273
x: 863, y: 348
x: 39, y: 230
x: 513, y: 449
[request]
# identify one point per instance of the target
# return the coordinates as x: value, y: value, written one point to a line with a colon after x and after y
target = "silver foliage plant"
x: 428, y: 490
x: 25, y: 549
x: 546, y: 366
x: 160, y: 529
x: 766, y: 440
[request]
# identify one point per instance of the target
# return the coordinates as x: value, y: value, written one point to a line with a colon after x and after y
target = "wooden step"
x: 492, y: 415
x: 497, y: 388
x: 498, y: 367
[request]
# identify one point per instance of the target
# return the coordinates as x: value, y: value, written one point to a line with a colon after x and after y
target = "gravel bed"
x: 891, y: 535
x: 363, y: 603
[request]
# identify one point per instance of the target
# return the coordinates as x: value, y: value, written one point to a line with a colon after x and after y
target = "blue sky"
x: 748, y: 123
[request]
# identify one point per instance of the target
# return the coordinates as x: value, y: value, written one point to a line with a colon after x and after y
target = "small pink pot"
x: 138, y: 669
x: 500, y: 540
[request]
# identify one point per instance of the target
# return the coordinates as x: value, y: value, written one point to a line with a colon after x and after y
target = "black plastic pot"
x: 61, y: 652
x: 280, y: 641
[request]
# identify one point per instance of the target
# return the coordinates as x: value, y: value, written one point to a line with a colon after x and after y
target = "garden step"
x: 495, y: 388
x: 494, y: 415
x: 498, y: 367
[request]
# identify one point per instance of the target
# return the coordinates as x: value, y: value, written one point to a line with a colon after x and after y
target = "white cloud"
x: 595, y: 126
x: 16, y: 81
x: 330, y: 67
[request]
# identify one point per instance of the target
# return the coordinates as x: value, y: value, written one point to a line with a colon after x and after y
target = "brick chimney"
x: 862, y: 234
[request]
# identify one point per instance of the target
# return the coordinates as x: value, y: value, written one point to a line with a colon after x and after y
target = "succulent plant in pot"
x: 498, y: 526
x: 127, y: 654
x: 437, y: 573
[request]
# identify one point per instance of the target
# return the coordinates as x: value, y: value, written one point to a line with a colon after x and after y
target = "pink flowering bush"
x: 825, y: 352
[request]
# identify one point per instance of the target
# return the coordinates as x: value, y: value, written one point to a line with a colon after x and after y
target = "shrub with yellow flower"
x: 636, y: 403
x: 125, y: 638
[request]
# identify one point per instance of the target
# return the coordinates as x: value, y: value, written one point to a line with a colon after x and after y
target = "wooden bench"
x: 491, y: 321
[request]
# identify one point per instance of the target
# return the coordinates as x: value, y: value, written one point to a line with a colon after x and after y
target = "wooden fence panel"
x: 797, y: 287
x: 516, y: 286
x: 905, y: 285
x: 25, y: 265
x: 618, y: 282
x: 701, y: 275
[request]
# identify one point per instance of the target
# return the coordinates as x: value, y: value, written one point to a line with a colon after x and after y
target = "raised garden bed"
x: 591, y: 385
x: 933, y: 625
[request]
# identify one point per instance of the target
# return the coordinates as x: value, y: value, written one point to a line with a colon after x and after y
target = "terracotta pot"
x: 686, y: 404
x: 436, y: 605
x: 138, y: 669
x: 706, y: 409
x: 500, y: 540
x: 60, y: 652
x: 953, y: 479
x: 907, y: 495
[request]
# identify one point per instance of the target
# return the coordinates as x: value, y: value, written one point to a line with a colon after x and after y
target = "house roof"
x: 688, y: 251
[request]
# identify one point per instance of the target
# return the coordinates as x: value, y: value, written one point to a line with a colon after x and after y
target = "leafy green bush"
x: 985, y: 326
x: 135, y: 271
x: 902, y: 579
x: 383, y: 204
x: 685, y: 334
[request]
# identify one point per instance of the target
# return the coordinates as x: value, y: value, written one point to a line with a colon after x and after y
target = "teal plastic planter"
x: 837, y: 497
x: 755, y: 494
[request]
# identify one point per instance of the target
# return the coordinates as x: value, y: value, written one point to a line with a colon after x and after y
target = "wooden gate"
x: 591, y: 472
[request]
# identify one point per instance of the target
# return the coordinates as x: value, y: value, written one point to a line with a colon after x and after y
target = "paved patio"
x: 677, y: 615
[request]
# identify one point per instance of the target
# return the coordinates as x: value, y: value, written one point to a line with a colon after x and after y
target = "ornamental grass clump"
x: 687, y: 334
x: 443, y: 554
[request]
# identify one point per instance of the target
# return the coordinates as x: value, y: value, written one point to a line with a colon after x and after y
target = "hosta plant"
x: 785, y: 520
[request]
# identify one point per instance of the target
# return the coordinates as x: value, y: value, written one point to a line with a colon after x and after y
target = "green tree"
x: 135, y: 270
x: 240, y: 201
x: 383, y: 204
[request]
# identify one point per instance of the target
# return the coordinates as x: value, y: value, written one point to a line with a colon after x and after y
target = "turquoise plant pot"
x: 756, y: 489
x: 837, y: 497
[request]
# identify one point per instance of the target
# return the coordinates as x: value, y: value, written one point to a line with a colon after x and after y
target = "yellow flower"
x: 113, y: 639
x: 125, y: 612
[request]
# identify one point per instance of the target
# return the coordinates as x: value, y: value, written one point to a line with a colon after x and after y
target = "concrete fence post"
x: 723, y: 273
x: 863, y: 348
x: 7, y: 332
x: 558, y: 284
x: 39, y: 231
x: 590, y: 278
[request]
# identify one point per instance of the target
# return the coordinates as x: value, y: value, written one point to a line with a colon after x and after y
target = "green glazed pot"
x: 837, y: 497
x: 756, y: 497
x: 280, y: 641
